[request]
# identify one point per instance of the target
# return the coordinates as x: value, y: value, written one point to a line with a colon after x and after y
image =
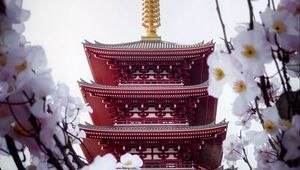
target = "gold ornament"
x: 151, y: 19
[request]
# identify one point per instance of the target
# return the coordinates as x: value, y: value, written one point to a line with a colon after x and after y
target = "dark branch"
x: 223, y: 27
x: 14, y: 152
x: 251, y: 15
x: 2, y: 8
x: 245, y: 158
x: 264, y: 87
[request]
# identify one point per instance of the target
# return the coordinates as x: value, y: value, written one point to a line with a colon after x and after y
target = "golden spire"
x: 151, y: 19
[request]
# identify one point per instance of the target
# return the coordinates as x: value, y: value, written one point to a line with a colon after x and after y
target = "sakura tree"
x: 38, y: 117
x: 263, y: 95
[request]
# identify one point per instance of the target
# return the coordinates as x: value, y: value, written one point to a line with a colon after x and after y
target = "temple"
x: 150, y: 98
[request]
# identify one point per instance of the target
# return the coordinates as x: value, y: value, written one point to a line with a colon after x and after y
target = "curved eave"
x: 149, y: 91
x: 185, y: 51
x: 169, y: 132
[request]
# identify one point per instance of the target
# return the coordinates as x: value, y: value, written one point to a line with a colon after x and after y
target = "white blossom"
x: 252, y: 51
x: 258, y: 138
x: 130, y: 161
x: 77, y: 134
x: 221, y: 69
x: 4, y: 90
x: 290, y: 5
x: 272, y: 121
x: 284, y: 24
x: 279, y: 165
x: 264, y: 155
x: 36, y: 58
x: 232, y: 148
x: 14, y: 13
x: 291, y: 139
x: 246, y: 88
x: 293, y: 65
x: 107, y: 162
x: 39, y: 83
x: 244, y: 121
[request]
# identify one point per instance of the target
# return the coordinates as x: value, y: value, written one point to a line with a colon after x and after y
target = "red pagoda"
x: 150, y: 98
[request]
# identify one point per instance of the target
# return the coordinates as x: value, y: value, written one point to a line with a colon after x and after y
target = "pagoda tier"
x: 148, y: 62
x: 188, y: 147
x: 128, y: 105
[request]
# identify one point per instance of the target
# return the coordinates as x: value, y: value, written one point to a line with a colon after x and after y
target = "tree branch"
x: 14, y: 152
x: 223, y: 27
x: 2, y: 8
x: 263, y: 87
x: 251, y: 24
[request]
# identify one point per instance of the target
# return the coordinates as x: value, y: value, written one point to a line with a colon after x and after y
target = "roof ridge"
x: 146, y: 45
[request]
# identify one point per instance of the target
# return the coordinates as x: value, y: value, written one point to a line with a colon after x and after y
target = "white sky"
x: 61, y: 26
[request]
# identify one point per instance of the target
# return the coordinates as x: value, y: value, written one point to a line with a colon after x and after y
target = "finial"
x: 151, y: 19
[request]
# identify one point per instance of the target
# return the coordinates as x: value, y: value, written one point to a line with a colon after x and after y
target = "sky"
x: 60, y: 27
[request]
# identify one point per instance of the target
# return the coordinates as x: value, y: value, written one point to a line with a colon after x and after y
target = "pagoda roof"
x: 148, y: 50
x: 208, y: 131
x: 148, y: 45
x: 144, y: 91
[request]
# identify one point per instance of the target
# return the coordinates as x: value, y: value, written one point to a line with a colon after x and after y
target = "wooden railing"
x: 168, y: 165
x: 148, y: 121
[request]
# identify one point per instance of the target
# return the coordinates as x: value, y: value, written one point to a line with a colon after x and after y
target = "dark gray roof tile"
x: 147, y: 45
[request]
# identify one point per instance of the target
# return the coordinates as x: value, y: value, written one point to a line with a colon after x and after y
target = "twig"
x: 19, y: 103
x: 63, y: 152
x: 76, y: 158
x: 280, y: 76
x: 76, y: 116
x: 264, y: 88
x: 251, y: 24
x: 52, y: 159
x: 16, y: 119
x: 80, y: 142
x: 245, y: 158
x: 258, y: 112
x: 5, y: 151
x: 223, y: 27
x: 284, y: 71
x: 14, y: 152
x: 2, y: 8
x: 273, y: 5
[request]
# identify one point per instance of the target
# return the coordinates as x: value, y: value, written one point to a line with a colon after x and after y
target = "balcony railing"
x: 168, y: 165
x: 148, y: 121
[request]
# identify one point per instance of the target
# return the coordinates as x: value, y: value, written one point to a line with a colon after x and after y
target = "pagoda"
x: 150, y: 98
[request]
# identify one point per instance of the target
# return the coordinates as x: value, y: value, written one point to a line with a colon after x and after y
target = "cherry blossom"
x: 252, y: 51
x: 290, y: 5
x: 293, y: 65
x: 221, y: 69
x: 281, y: 21
x: 291, y: 140
x: 280, y: 165
x: 106, y: 162
x: 245, y: 121
x: 264, y: 156
x: 257, y: 138
x: 271, y: 119
x: 246, y: 88
x: 232, y: 148
x: 284, y: 24
x: 130, y: 161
